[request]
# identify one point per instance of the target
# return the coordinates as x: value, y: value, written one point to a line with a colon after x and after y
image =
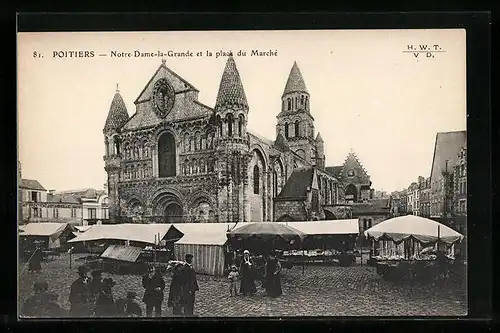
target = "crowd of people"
x: 248, y: 273
x: 91, y: 295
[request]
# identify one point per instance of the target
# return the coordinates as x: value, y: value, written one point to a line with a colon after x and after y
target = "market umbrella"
x: 267, y: 234
x: 424, y: 230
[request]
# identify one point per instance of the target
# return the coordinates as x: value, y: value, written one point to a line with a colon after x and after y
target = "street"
x: 320, y: 291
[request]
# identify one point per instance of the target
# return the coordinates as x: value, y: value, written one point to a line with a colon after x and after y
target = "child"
x: 233, y: 279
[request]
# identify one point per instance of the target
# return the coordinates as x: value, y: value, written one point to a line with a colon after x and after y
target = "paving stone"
x: 320, y: 291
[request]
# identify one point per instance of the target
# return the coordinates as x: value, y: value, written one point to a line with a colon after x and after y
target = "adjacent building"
x: 80, y: 207
x: 447, y: 151
x: 424, y: 197
x: 178, y: 160
x: 460, y: 184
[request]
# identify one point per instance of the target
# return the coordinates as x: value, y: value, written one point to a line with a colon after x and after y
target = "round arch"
x: 260, y: 151
x: 329, y: 215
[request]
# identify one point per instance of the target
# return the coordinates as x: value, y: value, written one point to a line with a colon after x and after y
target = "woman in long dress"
x: 272, y: 276
x: 247, y: 268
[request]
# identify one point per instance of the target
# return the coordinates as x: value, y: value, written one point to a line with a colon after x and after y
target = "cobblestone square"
x: 320, y: 291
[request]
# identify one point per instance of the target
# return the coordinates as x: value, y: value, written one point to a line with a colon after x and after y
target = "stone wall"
x: 294, y: 209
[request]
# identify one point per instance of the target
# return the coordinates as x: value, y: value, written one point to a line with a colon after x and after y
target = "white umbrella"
x: 423, y: 229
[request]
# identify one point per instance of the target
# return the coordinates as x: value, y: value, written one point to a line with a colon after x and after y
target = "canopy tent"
x: 337, y: 234
x: 122, y: 253
x: 53, y: 235
x: 261, y: 237
x: 208, y: 250
x: 140, y: 233
x: 410, y: 226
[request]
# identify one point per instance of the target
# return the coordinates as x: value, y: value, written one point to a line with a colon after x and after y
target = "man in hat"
x: 36, y: 259
x: 153, y: 284
x: 79, y: 295
x: 129, y: 307
x: 94, y: 287
x: 190, y: 286
x: 42, y: 304
x: 105, y: 304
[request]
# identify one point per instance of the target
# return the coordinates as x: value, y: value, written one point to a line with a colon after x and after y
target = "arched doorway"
x: 351, y: 193
x: 167, y: 208
x: 258, y: 183
x: 166, y: 155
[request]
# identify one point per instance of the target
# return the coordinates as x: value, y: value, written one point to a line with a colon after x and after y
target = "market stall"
x: 51, y: 237
x: 412, y: 247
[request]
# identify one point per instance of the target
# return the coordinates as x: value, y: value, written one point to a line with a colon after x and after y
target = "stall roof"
x: 82, y: 228
x: 423, y: 229
x: 144, y: 233
x: 44, y: 228
x: 329, y: 227
x: 122, y: 253
x: 203, y: 239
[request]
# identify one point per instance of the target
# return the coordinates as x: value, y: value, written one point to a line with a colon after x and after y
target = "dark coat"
x: 190, y: 284
x: 247, y: 274
x: 272, y: 281
x: 105, y: 305
x: 150, y: 284
x: 175, y: 294
x: 128, y: 307
x: 79, y: 299
x: 35, y: 261
x: 94, y: 287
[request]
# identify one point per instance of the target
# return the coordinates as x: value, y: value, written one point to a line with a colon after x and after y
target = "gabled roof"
x: 117, y: 115
x: 295, y: 82
x: 446, y: 148
x: 297, y: 184
x: 260, y: 138
x: 163, y: 66
x: 88, y: 193
x: 231, y: 90
x: 31, y: 184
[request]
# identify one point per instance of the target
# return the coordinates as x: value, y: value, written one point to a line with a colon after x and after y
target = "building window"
x: 296, y: 128
x: 166, y: 155
x: 240, y: 125
x: 229, y: 121
x: 73, y: 212
x: 256, y: 179
x: 105, y: 213
x: 37, y: 212
x: 286, y: 130
x: 92, y: 213
x: 289, y: 102
x: 302, y: 100
x: 275, y: 184
x: 34, y: 196
x: 55, y: 212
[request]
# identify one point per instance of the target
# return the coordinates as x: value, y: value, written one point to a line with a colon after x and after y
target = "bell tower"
x: 295, y: 121
x: 117, y: 117
x: 232, y: 154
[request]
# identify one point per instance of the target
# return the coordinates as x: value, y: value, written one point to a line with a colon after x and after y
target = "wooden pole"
x: 303, y: 258
x: 439, y: 231
x: 70, y: 252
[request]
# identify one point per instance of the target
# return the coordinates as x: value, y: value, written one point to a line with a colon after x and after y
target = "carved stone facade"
x: 178, y: 160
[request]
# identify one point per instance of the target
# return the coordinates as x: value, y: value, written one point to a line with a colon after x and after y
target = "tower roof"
x: 295, y: 82
x: 117, y: 115
x: 231, y: 90
x: 281, y: 142
x: 319, y: 138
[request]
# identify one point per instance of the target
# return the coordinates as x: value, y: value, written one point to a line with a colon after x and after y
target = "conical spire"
x: 117, y: 115
x: 231, y: 90
x: 319, y: 138
x: 295, y: 82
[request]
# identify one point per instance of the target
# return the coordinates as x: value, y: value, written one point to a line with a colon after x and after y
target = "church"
x: 178, y: 160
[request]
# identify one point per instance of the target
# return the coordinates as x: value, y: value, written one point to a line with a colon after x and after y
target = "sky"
x: 366, y: 94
